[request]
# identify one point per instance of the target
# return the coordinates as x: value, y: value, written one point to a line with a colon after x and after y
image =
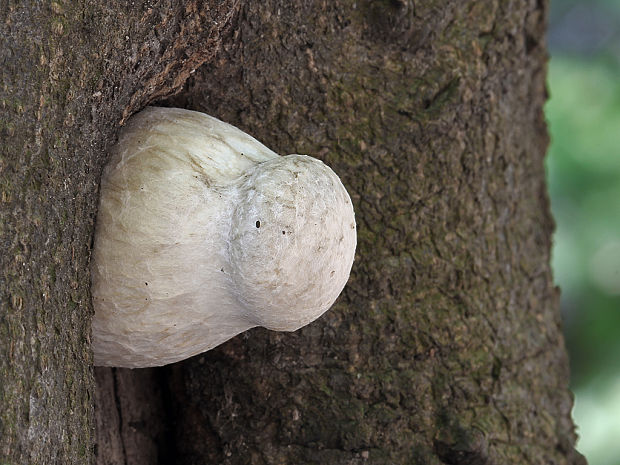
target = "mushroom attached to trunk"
x: 203, y: 232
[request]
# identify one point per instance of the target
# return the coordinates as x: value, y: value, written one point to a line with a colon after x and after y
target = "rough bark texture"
x: 446, y: 346
x: 70, y: 72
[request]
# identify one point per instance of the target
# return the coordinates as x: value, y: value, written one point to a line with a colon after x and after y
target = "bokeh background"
x: 583, y: 169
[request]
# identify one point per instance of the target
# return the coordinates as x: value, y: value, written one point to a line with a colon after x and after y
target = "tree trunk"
x: 445, y: 347
x: 70, y: 73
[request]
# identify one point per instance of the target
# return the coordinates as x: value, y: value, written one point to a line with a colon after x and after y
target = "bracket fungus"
x: 203, y: 233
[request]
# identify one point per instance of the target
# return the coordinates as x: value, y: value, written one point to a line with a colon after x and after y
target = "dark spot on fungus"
x: 332, y: 273
x: 283, y: 232
x: 258, y: 224
x: 146, y: 284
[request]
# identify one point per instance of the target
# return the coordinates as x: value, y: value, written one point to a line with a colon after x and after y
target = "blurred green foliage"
x: 584, y: 181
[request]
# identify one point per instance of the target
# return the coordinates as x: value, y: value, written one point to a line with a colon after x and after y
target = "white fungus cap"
x: 203, y: 233
x: 292, y: 242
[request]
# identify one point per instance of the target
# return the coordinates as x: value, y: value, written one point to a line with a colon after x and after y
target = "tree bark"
x: 445, y: 347
x: 70, y: 73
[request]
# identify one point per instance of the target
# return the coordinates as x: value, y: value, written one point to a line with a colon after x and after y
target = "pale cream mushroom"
x: 203, y: 232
